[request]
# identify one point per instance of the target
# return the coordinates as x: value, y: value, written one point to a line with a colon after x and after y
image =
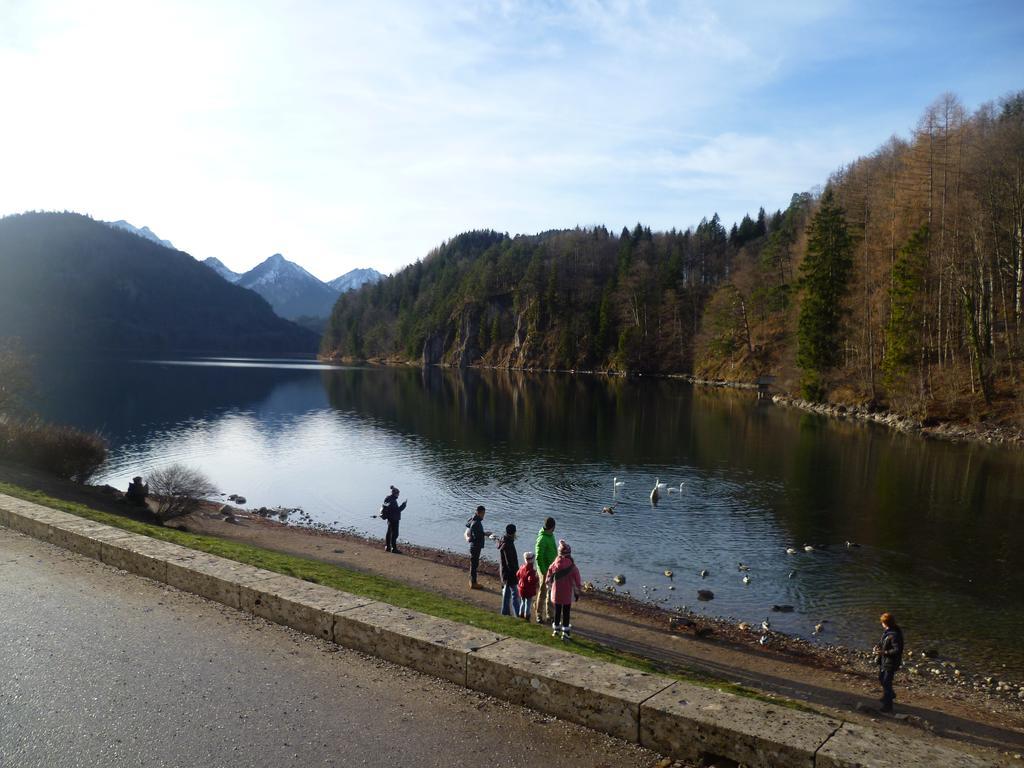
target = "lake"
x: 940, y: 525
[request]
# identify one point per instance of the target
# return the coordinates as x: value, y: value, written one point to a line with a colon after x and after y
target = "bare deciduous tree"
x: 178, y: 490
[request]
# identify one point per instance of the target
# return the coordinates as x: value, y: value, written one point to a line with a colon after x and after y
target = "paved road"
x: 103, y: 668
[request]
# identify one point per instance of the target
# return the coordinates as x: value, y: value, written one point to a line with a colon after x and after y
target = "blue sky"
x: 350, y: 134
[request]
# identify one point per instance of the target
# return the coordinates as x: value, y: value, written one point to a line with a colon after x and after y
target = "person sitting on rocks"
x: 137, y: 492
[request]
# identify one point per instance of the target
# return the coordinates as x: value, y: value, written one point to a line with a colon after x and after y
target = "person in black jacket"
x: 509, y: 560
x: 391, y: 511
x: 475, y: 535
x: 889, y: 653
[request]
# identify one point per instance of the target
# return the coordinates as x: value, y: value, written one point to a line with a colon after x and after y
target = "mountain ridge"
x: 68, y: 282
x: 221, y: 269
x: 144, y: 232
x: 289, y: 288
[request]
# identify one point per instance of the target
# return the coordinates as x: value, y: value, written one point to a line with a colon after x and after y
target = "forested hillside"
x: 901, y: 283
x: 573, y: 299
x: 70, y: 283
x: 910, y: 271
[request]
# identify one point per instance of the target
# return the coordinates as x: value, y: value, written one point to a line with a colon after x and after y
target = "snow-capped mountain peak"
x: 276, y: 269
x: 219, y: 267
x: 354, y: 279
x: 291, y: 290
x: 144, y: 232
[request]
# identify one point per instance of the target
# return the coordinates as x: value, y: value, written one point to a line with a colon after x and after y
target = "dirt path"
x: 839, y: 686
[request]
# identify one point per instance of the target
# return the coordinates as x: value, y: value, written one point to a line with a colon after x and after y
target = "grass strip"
x: 387, y: 591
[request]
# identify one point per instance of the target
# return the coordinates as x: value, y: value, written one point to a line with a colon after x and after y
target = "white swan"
x: 616, y: 483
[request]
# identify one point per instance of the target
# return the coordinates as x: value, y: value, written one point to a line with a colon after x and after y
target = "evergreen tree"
x: 824, y: 280
x: 747, y: 230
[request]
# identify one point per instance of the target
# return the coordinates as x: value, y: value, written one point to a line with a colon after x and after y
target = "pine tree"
x: 824, y: 280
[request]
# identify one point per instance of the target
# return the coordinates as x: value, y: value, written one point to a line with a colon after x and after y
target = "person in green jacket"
x: 546, y: 551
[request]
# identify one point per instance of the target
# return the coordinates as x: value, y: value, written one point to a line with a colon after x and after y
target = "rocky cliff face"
x: 457, y: 344
x: 434, y: 347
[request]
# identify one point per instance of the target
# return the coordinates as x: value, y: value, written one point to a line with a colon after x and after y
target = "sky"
x: 364, y: 134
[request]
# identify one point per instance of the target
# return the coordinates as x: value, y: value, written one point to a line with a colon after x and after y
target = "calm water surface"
x: 940, y: 525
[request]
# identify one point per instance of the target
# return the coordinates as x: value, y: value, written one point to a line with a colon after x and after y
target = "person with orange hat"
x: 889, y: 654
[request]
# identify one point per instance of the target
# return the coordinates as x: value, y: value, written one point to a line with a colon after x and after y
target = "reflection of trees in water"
x: 951, y: 507
x: 566, y: 417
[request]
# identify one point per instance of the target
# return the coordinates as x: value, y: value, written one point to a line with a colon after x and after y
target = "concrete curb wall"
x: 671, y: 717
x: 602, y: 696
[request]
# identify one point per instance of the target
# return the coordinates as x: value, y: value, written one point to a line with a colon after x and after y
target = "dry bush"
x: 178, y: 490
x: 15, y: 375
x: 63, y: 451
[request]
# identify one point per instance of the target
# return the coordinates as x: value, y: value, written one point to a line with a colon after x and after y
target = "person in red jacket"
x: 564, y: 578
x: 529, y: 582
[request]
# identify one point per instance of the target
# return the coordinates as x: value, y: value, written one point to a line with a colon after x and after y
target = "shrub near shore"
x: 63, y: 451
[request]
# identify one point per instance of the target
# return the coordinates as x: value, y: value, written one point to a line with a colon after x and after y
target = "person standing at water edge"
x: 391, y: 511
x: 546, y: 551
x: 564, y: 578
x: 889, y: 653
x: 475, y: 535
x: 509, y: 560
x: 528, y: 581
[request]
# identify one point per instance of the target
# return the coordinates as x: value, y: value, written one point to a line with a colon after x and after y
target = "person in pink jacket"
x: 564, y: 578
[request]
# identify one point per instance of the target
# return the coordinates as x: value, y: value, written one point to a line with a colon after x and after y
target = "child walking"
x: 529, y: 581
x: 564, y: 577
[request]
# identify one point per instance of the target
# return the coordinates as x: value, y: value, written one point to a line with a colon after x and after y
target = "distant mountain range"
x: 293, y: 292
x: 68, y: 282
